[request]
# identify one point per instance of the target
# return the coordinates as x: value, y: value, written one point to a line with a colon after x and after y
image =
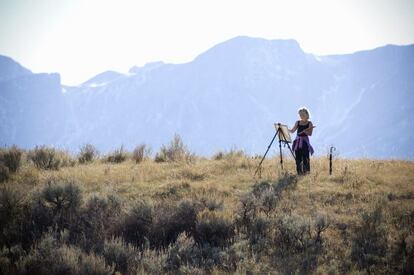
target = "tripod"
x: 282, y: 139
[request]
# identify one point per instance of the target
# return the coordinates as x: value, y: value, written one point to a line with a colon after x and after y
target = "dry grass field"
x: 198, y: 215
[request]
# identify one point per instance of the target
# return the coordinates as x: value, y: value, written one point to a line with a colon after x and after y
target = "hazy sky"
x: 80, y: 38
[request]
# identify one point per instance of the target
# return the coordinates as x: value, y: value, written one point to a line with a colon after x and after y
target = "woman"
x: 301, y: 144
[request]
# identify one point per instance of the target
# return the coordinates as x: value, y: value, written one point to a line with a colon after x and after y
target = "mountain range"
x: 226, y: 98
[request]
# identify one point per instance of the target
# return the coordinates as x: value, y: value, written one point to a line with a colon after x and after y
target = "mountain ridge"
x: 230, y: 96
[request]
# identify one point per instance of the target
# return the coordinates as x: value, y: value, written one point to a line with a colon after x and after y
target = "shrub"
x: 260, y: 188
x: 4, y: 172
x: 193, y: 175
x: 286, y: 182
x: 140, y: 153
x: 213, y: 228
x: 88, y: 153
x: 402, y: 256
x: 61, y: 196
x: 51, y: 257
x: 124, y: 257
x: 232, y: 154
x: 9, y: 258
x: 11, y: 158
x: 171, y: 220
x: 182, y: 252
x: 49, y: 158
x: 219, y: 155
x: 186, y: 216
x: 10, y: 162
x: 88, y: 263
x: 299, y: 242
x: 234, y: 255
x: 57, y: 204
x: 246, y: 212
x: 11, y: 215
x: 190, y: 270
x: 294, y: 234
x: 267, y: 196
x: 264, y: 197
x: 176, y: 151
x: 258, y: 233
x: 269, y: 201
x: 173, y: 191
x: 369, y: 239
x: 137, y: 224
x: 28, y: 176
x: 97, y: 221
x: 117, y: 156
x: 152, y: 262
x: 5, y: 264
x: 212, y: 203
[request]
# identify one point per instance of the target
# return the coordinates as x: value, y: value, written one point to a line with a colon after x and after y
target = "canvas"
x: 283, y: 133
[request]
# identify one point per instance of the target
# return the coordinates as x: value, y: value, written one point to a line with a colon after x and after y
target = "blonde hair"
x: 305, y: 111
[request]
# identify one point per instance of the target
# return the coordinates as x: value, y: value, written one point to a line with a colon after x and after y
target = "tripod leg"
x: 280, y: 152
x: 268, y: 147
x: 291, y: 151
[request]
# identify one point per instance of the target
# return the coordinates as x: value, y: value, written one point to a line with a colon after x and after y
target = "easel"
x: 282, y: 139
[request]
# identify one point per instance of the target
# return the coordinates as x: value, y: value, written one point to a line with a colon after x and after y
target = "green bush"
x: 61, y: 196
x: 9, y: 257
x: 211, y: 203
x: 136, y: 225
x: 235, y: 255
x: 4, y: 172
x: 117, y: 156
x: 369, y: 240
x: 152, y: 262
x: 183, y: 252
x: 232, y: 154
x: 56, y: 205
x: 402, y: 254
x: 141, y: 152
x: 261, y: 188
x: 246, y: 212
x: 124, y: 257
x: 11, y: 215
x: 49, y: 158
x: 213, y: 228
x: 88, y: 153
x: 259, y: 232
x: 299, y: 242
x: 10, y: 162
x: 266, y: 196
x: 49, y: 256
x: 293, y: 234
x: 286, y: 182
x: 172, y: 219
x: 11, y: 158
x: 176, y: 151
x: 97, y: 221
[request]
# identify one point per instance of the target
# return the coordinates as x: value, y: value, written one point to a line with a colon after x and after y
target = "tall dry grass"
x: 240, y: 223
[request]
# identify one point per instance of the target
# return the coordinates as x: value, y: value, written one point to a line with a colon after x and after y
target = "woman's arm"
x: 294, y: 128
x: 308, y: 131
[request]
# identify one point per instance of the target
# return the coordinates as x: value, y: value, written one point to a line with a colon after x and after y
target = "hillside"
x: 358, y: 220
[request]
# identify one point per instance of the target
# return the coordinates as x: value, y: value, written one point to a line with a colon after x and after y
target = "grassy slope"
x: 355, y: 185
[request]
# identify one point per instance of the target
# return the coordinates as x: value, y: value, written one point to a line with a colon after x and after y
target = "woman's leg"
x: 306, y: 161
x: 299, y: 157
